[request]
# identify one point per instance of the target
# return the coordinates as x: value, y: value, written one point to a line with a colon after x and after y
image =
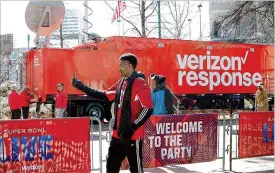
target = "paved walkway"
x: 255, y: 165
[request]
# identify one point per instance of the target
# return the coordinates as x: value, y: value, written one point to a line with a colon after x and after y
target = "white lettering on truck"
x: 221, y: 70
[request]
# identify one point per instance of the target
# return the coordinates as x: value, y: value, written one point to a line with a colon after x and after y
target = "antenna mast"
x: 86, y: 21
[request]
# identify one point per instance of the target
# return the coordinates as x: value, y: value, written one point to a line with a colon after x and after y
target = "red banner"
x: 256, y: 136
x: 179, y: 139
x: 45, y: 145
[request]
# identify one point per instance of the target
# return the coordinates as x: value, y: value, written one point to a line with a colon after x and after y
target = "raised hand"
x: 74, y: 80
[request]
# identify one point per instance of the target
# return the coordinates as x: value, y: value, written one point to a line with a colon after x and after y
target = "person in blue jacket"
x: 162, y: 98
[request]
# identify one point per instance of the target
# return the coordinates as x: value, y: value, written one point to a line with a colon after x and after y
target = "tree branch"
x: 134, y: 3
x: 151, y: 13
x: 152, y: 3
x: 151, y: 31
x: 167, y: 29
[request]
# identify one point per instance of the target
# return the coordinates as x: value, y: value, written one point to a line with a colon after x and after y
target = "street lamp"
x: 159, y: 19
x: 189, y: 20
x: 200, y: 20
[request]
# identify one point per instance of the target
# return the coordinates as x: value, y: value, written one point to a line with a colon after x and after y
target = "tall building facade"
x: 70, y: 30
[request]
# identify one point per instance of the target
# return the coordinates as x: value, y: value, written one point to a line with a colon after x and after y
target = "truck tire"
x: 96, y: 110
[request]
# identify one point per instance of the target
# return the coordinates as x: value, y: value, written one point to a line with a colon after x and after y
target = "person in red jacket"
x: 132, y: 107
x: 26, y: 99
x: 60, y: 101
x: 15, y: 103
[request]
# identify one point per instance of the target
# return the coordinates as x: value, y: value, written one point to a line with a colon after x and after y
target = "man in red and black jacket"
x: 133, y: 106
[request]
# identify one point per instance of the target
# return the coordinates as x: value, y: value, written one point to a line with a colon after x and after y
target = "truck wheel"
x: 95, y: 110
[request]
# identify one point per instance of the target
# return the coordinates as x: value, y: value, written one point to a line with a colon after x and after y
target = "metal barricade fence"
x: 230, y: 127
x: 227, y: 125
x: 100, y: 143
x: 234, y: 119
x: 224, y: 130
x: 110, y: 130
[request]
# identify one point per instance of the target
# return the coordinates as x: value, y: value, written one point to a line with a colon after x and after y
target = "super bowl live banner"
x: 179, y: 139
x: 45, y: 145
x: 256, y: 136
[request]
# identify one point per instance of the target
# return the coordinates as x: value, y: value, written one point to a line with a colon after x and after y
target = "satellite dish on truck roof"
x: 44, y: 17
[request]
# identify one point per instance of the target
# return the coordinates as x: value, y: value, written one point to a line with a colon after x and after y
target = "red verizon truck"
x: 212, y: 73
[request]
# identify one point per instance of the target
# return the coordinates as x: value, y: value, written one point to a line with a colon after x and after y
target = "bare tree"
x: 174, y: 22
x: 8, y: 69
x: 250, y: 21
x: 140, y: 12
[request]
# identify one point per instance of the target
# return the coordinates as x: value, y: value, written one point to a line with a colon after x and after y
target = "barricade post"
x: 224, y: 150
x: 218, y: 136
x: 230, y: 143
x: 231, y: 137
x: 220, y: 122
x: 237, y: 133
x: 100, y: 143
x: 109, y: 133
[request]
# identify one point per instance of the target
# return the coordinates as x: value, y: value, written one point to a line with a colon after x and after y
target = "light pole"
x: 189, y: 20
x: 200, y: 20
x: 159, y: 19
x: 28, y: 37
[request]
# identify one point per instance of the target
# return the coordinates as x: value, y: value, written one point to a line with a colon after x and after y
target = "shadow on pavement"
x: 268, y: 159
x: 170, y: 169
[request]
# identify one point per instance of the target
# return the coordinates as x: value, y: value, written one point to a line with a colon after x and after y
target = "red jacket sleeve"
x: 145, y: 97
x: 110, y: 93
x: 64, y: 100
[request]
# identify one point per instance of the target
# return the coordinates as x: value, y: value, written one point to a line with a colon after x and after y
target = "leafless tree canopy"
x: 252, y: 21
x: 176, y: 20
x: 141, y: 11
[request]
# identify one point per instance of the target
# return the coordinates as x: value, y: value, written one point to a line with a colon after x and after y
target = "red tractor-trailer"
x: 216, y: 75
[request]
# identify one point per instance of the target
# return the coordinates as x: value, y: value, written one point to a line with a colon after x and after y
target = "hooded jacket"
x: 162, y: 100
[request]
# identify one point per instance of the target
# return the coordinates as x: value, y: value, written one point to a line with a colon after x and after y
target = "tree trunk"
x: 61, y: 36
x: 143, y: 27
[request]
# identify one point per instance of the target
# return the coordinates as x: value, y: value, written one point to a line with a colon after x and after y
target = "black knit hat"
x: 158, y: 78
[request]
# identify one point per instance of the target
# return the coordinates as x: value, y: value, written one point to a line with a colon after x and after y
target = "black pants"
x: 25, y: 111
x: 16, y: 114
x: 120, y: 149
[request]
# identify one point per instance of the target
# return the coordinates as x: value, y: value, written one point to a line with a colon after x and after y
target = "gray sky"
x: 13, y: 19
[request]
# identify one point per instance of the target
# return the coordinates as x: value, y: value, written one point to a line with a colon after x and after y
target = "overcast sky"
x: 13, y: 19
